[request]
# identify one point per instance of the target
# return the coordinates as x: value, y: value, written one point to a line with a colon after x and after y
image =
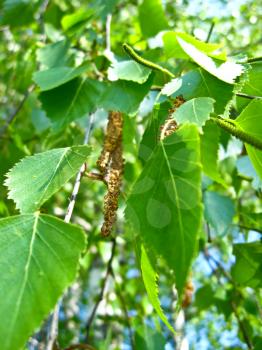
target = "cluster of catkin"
x: 111, y: 164
x: 170, y: 124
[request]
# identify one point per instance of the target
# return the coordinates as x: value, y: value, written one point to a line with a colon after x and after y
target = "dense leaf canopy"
x: 144, y: 117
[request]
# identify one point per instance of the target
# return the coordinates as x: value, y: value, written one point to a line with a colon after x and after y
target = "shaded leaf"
x: 198, y: 83
x: 33, y: 180
x: 129, y: 70
x: 53, y: 55
x: 71, y: 101
x: 51, y: 78
x: 247, y: 270
x: 124, y: 96
x: 164, y: 206
x: 147, y: 338
x: 209, y: 151
x: 12, y: 10
x: 38, y: 261
x: 195, y: 111
x: 219, y: 211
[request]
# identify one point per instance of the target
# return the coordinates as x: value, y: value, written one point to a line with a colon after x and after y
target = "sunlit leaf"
x: 195, y: 111
x: 35, y: 179
x: 38, y: 261
x: 226, y: 71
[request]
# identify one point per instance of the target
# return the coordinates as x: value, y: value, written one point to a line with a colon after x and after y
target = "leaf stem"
x: 233, y: 128
x: 128, y: 49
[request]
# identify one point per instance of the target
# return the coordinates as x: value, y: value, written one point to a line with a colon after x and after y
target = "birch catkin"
x: 110, y: 164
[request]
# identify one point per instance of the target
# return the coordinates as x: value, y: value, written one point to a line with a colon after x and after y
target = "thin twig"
x: 123, y: 303
x: 53, y: 322
x: 108, y: 32
x: 241, y: 324
x: 102, y: 291
x: 12, y: 116
x: 80, y: 346
x: 250, y: 97
x: 210, y: 32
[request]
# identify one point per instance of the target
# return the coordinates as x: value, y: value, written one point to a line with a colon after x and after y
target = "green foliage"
x: 209, y: 151
x: 152, y: 18
x: 196, y: 111
x: 63, y: 66
x: 150, y: 278
x: 250, y: 121
x: 51, y: 78
x: 173, y: 48
x: 35, y: 179
x: 39, y: 257
x: 198, y: 83
x: 248, y: 267
x: 129, y: 70
x: 170, y: 184
x: 71, y: 101
x: 219, y: 211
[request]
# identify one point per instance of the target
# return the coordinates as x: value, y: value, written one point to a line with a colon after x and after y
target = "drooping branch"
x: 230, y: 126
x: 128, y: 49
x: 102, y: 290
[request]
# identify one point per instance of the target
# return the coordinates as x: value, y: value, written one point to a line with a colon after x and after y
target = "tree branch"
x: 53, y: 322
x: 210, y: 31
x: 123, y: 303
x: 12, y: 116
x: 241, y: 324
x: 102, y: 291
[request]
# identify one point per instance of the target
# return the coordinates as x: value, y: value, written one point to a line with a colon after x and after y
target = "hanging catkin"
x: 170, y: 124
x: 110, y: 164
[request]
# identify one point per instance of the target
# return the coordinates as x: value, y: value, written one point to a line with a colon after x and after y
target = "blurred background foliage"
x: 223, y: 314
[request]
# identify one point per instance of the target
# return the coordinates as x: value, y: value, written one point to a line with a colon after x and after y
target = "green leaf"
x: 247, y: 270
x: 124, y: 96
x: 76, y: 19
x: 53, y: 55
x: 51, y: 78
x: 250, y: 121
x: 219, y: 211
x: 147, y: 338
x: 172, y: 47
x: 198, y: 83
x: 253, y: 85
x: 152, y: 133
x: 204, y: 297
x: 150, y: 281
x: 164, y: 206
x: 227, y: 71
x: 18, y: 12
x: 33, y: 180
x: 195, y: 111
x: 252, y: 221
x: 129, y: 70
x: 39, y: 258
x: 71, y: 101
x: 152, y: 18
x: 209, y: 151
